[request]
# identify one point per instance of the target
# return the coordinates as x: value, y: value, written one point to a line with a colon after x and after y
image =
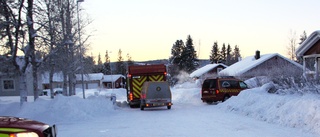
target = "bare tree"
x: 292, y: 45
x: 13, y: 35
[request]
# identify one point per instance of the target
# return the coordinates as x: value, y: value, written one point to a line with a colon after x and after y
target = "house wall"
x: 274, y: 67
x: 212, y: 73
x: 14, y: 90
x: 89, y: 84
x: 117, y: 84
x: 315, y: 49
x: 9, y: 91
x: 54, y: 85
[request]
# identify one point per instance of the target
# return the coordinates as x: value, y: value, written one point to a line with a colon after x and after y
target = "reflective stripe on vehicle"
x: 12, y: 130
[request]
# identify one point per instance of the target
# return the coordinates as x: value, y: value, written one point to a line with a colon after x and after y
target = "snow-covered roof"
x: 250, y: 62
x: 205, y: 69
x: 57, y: 77
x: 111, y: 78
x: 90, y: 77
x: 308, y: 43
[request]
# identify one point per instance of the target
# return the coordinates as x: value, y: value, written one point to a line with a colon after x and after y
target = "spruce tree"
x: 214, y: 56
x: 106, y: 64
x: 223, y: 53
x: 129, y: 60
x: 303, y: 37
x: 99, y: 68
x: 99, y: 60
x: 228, y: 59
x: 236, y: 54
x: 189, y: 60
x: 176, y: 52
x: 120, y: 68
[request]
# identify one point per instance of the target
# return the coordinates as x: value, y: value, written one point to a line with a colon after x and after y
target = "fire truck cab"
x: 137, y: 75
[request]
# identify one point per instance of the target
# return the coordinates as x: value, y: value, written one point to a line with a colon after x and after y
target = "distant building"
x: 10, y: 80
x: 309, y: 53
x: 263, y: 65
x: 90, y: 81
x: 114, y: 81
x: 208, y: 70
x: 57, y: 80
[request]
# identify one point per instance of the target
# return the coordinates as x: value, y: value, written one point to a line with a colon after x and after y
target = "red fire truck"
x: 137, y: 75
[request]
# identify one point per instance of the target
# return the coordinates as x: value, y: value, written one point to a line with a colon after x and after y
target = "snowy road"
x: 253, y: 113
x: 182, y: 120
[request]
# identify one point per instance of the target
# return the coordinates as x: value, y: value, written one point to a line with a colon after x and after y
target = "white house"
x: 263, y: 65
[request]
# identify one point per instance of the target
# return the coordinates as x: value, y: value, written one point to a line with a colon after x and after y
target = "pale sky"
x: 147, y: 29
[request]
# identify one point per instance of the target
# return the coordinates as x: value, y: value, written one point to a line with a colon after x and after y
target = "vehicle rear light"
x: 129, y: 75
x: 217, y: 91
x: 130, y: 96
x: 147, y: 105
x: 143, y: 96
x: 25, y: 134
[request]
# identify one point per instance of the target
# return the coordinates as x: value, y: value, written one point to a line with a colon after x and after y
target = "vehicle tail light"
x: 130, y: 96
x: 25, y: 134
x: 143, y: 96
x: 129, y: 75
x: 206, y: 92
x: 217, y: 91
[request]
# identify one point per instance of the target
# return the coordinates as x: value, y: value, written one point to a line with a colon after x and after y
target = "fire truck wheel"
x: 141, y: 107
x: 169, y: 107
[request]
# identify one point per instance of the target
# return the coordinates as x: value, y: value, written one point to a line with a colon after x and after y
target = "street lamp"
x: 112, y: 81
x: 80, y: 46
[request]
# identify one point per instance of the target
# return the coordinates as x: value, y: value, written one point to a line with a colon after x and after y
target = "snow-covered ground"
x: 254, y: 112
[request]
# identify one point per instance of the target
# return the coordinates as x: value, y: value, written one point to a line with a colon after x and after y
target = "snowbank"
x: 186, y: 93
x: 293, y: 110
x: 72, y: 108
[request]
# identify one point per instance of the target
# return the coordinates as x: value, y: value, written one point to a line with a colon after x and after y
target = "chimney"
x: 257, y: 56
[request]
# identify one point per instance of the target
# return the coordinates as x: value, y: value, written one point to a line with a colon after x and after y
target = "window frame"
x: 8, y: 89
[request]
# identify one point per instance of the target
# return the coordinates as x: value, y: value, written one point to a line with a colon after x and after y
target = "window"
x: 109, y: 85
x: 209, y: 83
x: 229, y: 83
x: 8, y: 84
x: 219, y: 69
x: 243, y: 85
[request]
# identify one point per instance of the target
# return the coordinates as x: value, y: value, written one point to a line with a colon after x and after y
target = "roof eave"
x: 306, y: 45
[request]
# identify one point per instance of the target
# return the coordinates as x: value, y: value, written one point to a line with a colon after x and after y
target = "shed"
x: 114, y: 81
x: 309, y: 53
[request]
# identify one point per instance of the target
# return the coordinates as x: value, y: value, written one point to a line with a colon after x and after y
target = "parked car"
x: 221, y: 89
x: 56, y: 92
x: 21, y: 127
x: 155, y: 94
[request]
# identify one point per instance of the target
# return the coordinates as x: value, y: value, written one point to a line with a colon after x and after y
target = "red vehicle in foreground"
x: 21, y: 127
